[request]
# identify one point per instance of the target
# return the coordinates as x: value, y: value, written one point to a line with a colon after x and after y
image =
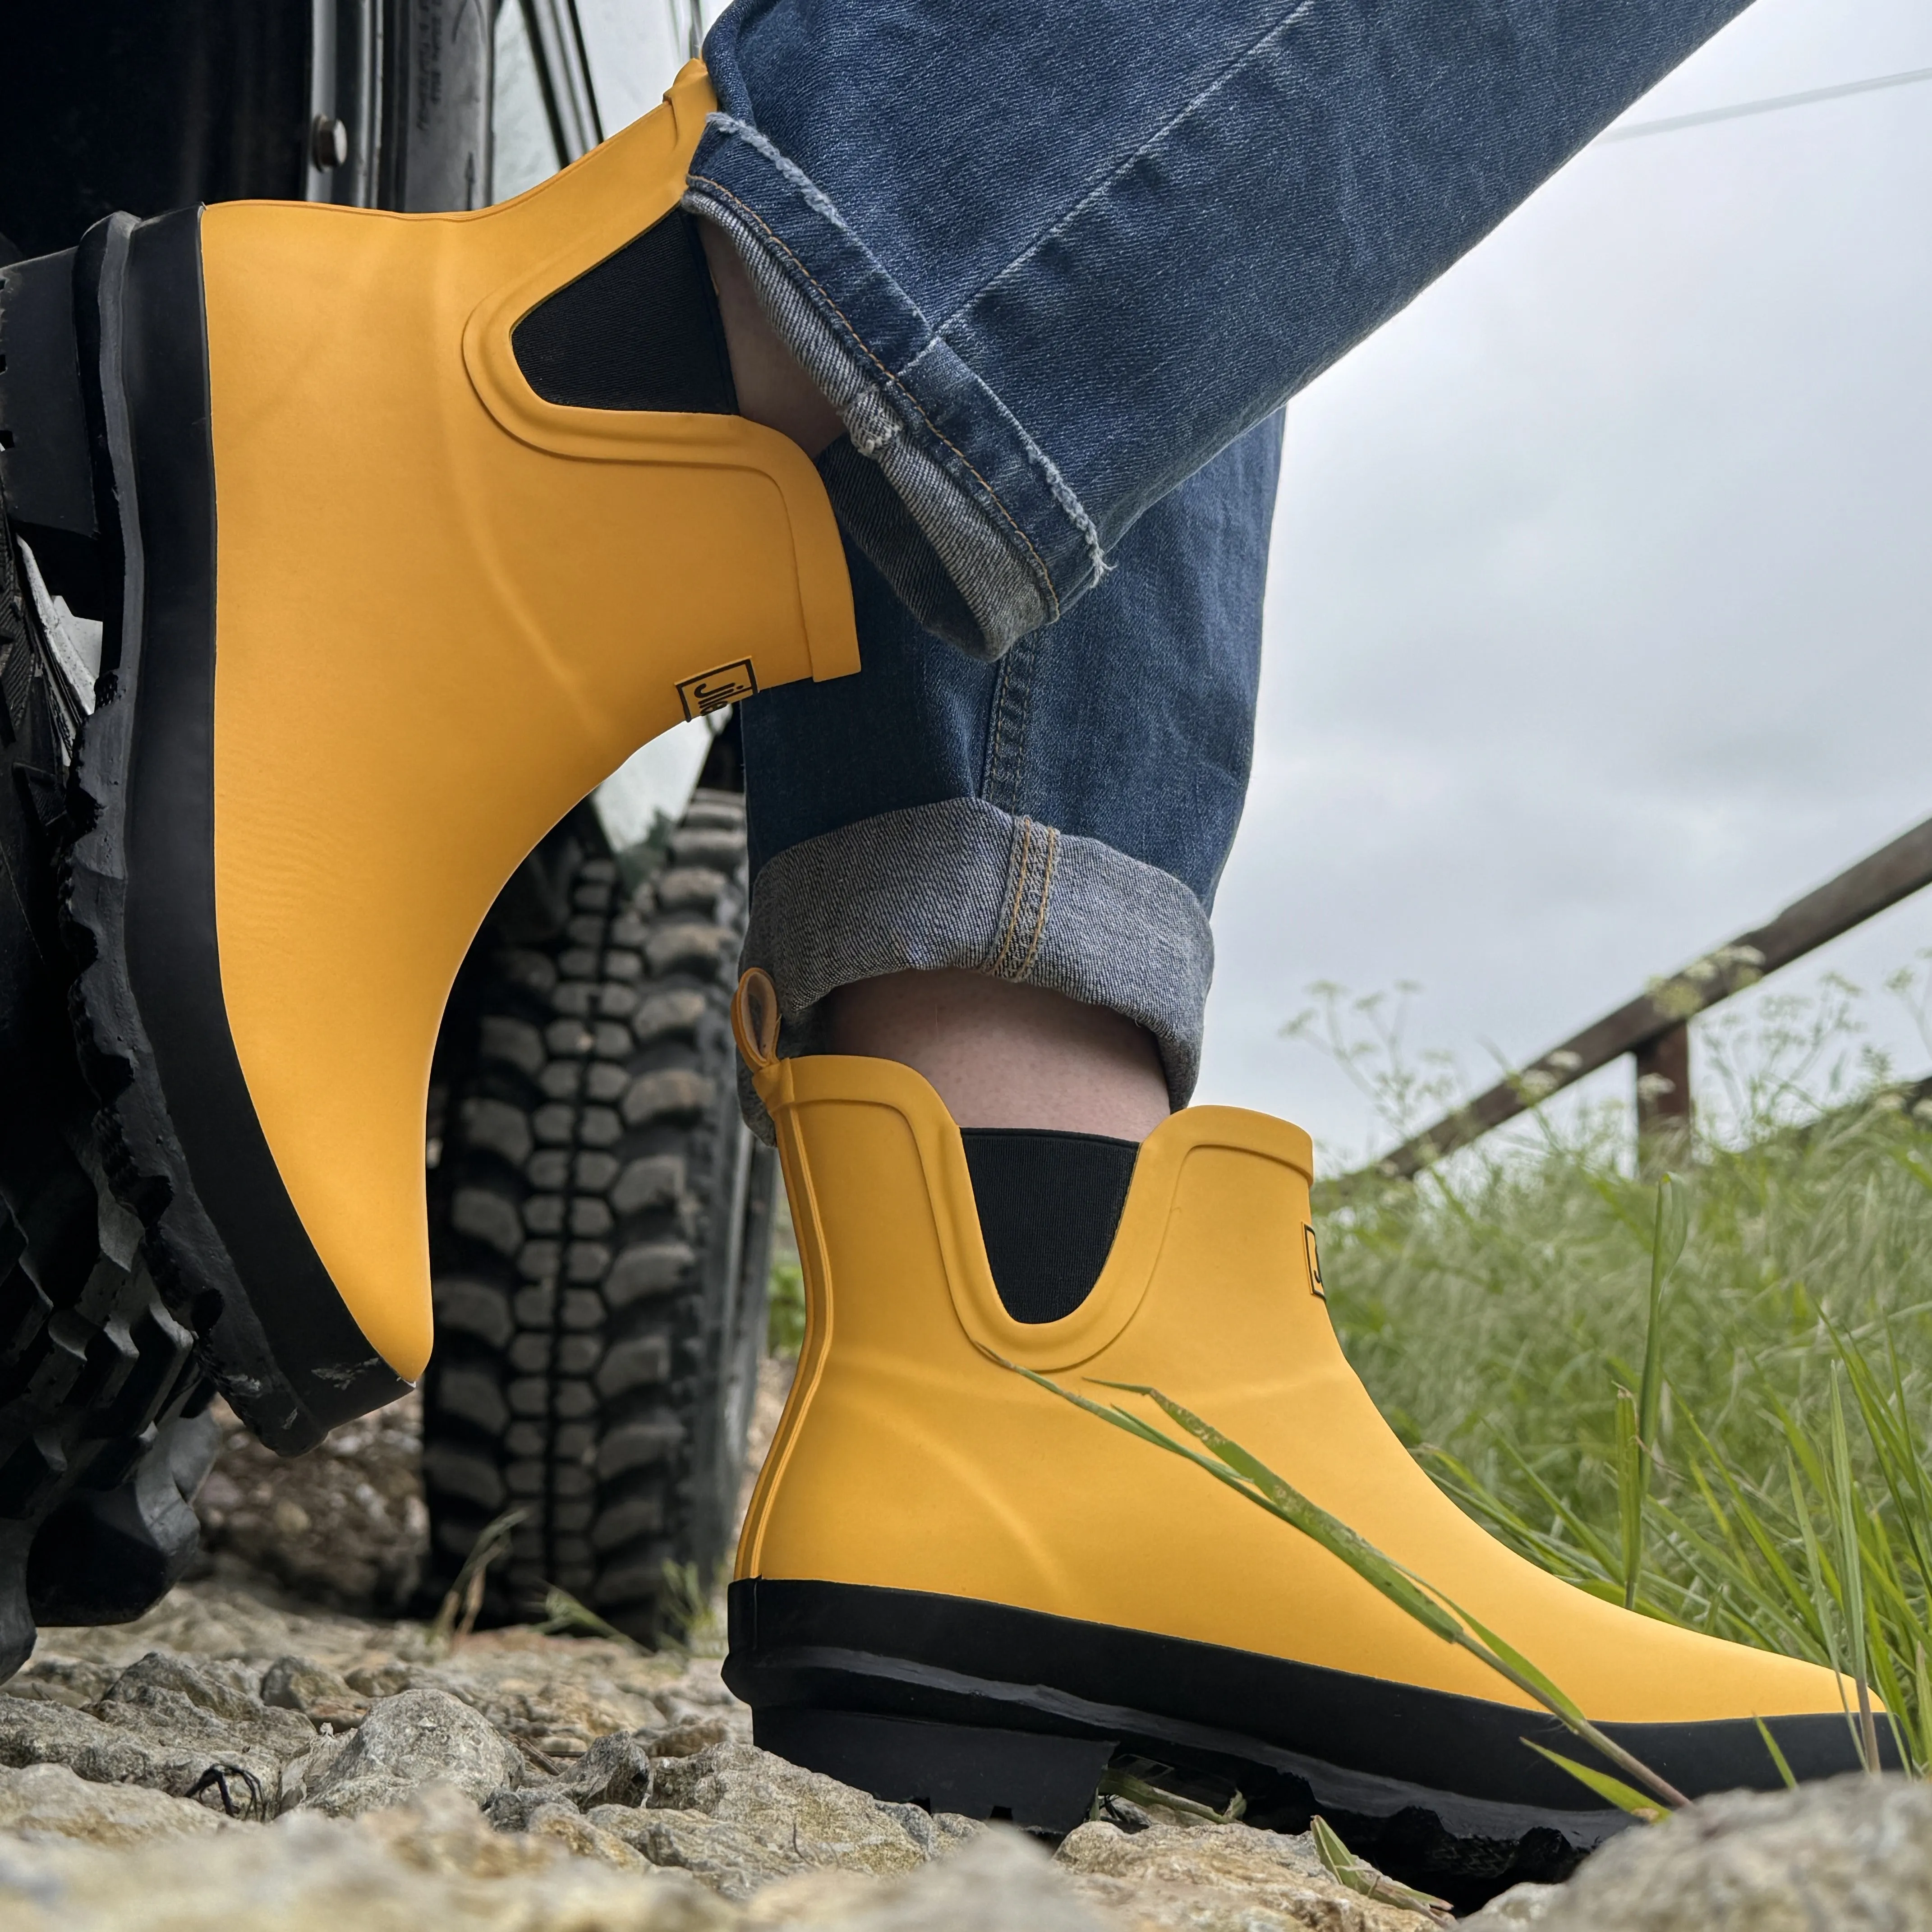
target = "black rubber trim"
x: 1363, y: 1745
x: 640, y: 331
x: 284, y: 1348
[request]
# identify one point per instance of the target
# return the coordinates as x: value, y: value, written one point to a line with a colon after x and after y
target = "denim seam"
x: 1055, y: 481
x: 1012, y: 704
x: 1046, y: 896
x: 1094, y: 194
x: 1017, y: 869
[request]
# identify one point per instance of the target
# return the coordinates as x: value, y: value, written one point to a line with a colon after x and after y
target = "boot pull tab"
x: 755, y: 1018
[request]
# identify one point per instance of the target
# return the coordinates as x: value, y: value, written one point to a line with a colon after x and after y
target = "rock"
x: 615, y: 1770
x: 48, y: 1800
x: 168, y: 1696
x: 415, y: 1738
x: 1000, y: 1882
x: 140, y: 1745
x: 1527, y: 1903
x: 685, y: 1737
x: 722, y: 1856
x: 321, y: 1695
x: 344, y: 1525
x: 73, y: 1681
x: 1218, y: 1878
x: 236, y: 1622
x: 430, y: 1865
x: 1853, y: 1853
x: 576, y: 1833
x: 797, y: 1818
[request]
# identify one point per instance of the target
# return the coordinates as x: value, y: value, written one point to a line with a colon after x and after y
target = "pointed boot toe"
x: 955, y: 1588
x: 422, y: 524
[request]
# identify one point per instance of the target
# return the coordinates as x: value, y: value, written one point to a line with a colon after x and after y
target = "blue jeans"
x: 1057, y: 267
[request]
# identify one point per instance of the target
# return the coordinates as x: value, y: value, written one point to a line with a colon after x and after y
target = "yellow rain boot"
x: 423, y: 524
x: 955, y: 1588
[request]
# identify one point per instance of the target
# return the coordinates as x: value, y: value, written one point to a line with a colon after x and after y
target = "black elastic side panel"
x: 1048, y: 1205
x: 640, y: 331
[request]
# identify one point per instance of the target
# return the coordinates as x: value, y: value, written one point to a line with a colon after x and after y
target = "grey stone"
x: 413, y: 1739
x: 344, y: 1525
x: 552, y: 1818
x: 615, y: 1770
x: 46, y: 1800
x: 1000, y: 1882
x: 321, y: 1695
x: 1853, y: 1854
x: 430, y: 1865
x: 723, y: 1856
x: 150, y: 1743
x: 223, y: 1693
x: 798, y: 1816
x: 73, y: 1681
x: 1218, y: 1878
x: 685, y: 1737
x: 1527, y: 1903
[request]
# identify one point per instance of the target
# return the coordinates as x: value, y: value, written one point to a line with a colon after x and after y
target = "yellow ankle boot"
x: 424, y: 523
x: 955, y: 1588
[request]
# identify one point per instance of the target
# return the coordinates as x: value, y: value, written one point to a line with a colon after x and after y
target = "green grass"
x: 1704, y: 1396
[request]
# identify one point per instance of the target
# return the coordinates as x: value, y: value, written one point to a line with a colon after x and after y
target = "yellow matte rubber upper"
x: 445, y: 609
x: 908, y: 1457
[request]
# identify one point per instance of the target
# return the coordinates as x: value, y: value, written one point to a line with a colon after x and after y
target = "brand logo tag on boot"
x: 1314, y: 1263
x: 711, y: 691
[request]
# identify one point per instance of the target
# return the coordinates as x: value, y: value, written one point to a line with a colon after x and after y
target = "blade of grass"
x: 1630, y: 1467
x: 1400, y: 1585
x: 1777, y: 1757
x: 1618, y: 1793
x: 1851, y: 1570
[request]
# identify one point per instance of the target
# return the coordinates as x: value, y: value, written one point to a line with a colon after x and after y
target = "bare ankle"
x: 773, y: 388
x: 1001, y: 1055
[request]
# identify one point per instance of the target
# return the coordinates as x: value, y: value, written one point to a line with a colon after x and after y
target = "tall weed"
x: 1701, y: 1397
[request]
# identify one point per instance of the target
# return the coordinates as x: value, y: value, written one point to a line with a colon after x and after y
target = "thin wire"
x: 1770, y: 106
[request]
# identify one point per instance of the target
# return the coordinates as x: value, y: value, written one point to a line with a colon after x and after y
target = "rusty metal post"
x: 1663, y: 1100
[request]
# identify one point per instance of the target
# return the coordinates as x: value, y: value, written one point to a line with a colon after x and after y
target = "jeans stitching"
x: 991, y: 776
x: 938, y: 433
x: 1016, y: 899
x: 1147, y: 147
x: 1012, y: 700
x: 1045, y: 892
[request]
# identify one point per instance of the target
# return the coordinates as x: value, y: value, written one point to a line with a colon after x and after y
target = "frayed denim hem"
x: 944, y: 492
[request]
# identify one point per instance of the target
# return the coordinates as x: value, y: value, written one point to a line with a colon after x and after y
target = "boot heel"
x: 1045, y: 1783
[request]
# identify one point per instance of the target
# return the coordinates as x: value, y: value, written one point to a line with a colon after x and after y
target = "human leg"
x: 1053, y: 826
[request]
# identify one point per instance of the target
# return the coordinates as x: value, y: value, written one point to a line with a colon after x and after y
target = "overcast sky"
x: 1599, y: 619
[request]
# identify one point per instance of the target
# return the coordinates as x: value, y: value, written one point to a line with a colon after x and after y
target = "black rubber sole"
x: 97, y: 1374
x: 108, y: 1556
x: 905, y: 1693
x: 1028, y: 1777
x: 183, y: 1148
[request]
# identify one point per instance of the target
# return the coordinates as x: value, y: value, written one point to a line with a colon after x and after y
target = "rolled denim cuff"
x: 963, y: 884
x: 952, y: 501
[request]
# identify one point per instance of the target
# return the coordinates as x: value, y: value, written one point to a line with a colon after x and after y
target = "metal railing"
x: 1654, y: 1027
